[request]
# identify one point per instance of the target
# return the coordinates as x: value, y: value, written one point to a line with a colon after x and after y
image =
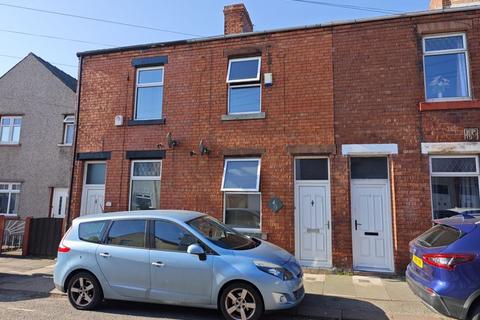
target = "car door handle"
x: 105, y: 254
x: 158, y: 264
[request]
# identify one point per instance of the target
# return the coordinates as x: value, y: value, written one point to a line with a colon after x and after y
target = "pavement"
x: 328, y: 296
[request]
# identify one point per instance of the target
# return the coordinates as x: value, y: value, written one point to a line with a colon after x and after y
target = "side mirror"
x: 197, y: 250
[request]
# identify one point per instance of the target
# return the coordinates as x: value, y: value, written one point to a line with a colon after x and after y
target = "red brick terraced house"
x: 339, y: 142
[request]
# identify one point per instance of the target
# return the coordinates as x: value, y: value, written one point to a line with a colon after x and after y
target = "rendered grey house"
x: 37, y: 125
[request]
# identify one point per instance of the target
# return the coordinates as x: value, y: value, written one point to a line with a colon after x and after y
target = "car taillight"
x: 61, y: 247
x: 447, y: 260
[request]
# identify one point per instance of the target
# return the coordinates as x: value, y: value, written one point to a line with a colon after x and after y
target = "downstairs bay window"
x: 455, y: 184
x: 242, y: 199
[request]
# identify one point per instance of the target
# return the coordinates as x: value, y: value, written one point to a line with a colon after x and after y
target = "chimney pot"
x: 237, y: 19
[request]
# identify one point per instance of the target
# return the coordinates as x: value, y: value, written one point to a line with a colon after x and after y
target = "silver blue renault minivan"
x: 175, y: 257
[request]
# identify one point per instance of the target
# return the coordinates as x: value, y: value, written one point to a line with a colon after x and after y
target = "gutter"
x: 266, y: 32
x: 68, y: 221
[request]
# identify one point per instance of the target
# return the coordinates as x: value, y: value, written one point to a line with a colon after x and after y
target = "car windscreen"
x: 439, y: 236
x: 221, y: 235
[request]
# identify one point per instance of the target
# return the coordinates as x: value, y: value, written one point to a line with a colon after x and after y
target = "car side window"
x: 129, y: 233
x: 171, y: 237
x: 92, y: 231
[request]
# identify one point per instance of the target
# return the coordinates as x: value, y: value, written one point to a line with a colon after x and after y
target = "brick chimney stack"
x: 237, y: 19
x: 444, y: 4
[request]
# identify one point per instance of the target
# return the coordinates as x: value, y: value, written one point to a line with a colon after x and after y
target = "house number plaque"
x: 275, y: 204
x: 471, y: 134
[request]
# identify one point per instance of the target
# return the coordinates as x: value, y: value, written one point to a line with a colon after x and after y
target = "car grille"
x: 299, y: 293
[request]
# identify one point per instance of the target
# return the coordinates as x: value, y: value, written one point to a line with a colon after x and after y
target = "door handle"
x: 105, y: 254
x: 357, y: 224
x: 328, y: 225
x: 158, y: 264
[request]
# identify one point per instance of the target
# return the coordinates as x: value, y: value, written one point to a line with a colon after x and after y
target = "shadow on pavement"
x: 25, y: 287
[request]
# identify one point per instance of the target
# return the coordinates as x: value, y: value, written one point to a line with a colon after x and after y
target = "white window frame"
x: 68, y: 121
x: 148, y: 85
x: 142, y: 178
x: 257, y: 78
x: 10, y: 191
x: 11, y: 126
x: 444, y: 52
x: 257, y: 189
x: 245, y: 86
x: 452, y: 174
x: 242, y: 230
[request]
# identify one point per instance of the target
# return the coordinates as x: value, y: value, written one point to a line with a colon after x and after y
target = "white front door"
x: 93, y: 194
x: 312, y: 214
x: 59, y: 202
x: 371, y: 225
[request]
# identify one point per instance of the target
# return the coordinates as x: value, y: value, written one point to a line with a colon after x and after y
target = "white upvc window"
x: 455, y: 183
x: 68, y: 130
x: 9, y: 198
x: 242, y: 197
x: 149, y: 93
x: 10, y: 129
x: 446, y: 67
x: 145, y: 180
x: 244, y: 87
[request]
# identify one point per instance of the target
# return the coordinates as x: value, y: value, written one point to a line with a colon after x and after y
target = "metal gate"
x: 13, y: 233
x: 44, y: 236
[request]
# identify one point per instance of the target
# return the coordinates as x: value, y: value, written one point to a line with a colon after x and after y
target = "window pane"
x: 149, y: 76
x: 244, y: 99
x: 5, y: 134
x: 149, y: 103
x: 96, y: 173
x: 3, y: 202
x: 146, y: 169
x: 444, y: 43
x: 91, y: 231
x: 454, y: 165
x: 13, y: 203
x: 242, y: 210
x: 311, y: 169
x: 446, y: 76
x: 69, y: 134
x: 369, y: 168
x: 129, y: 233
x: 241, y: 175
x: 16, y: 134
x: 169, y: 236
x: 17, y: 121
x: 454, y: 192
x: 145, y: 195
x: 246, y: 69
x: 6, y: 121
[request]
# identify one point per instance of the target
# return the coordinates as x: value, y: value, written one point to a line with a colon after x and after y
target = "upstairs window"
x: 149, y: 93
x: 244, y: 87
x: 10, y: 130
x: 446, y: 67
x: 68, y: 130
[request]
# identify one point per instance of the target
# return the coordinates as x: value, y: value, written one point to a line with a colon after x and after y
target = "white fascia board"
x: 451, y: 147
x: 369, y: 149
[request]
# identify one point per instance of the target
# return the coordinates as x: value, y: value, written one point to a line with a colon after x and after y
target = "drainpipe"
x: 67, y: 221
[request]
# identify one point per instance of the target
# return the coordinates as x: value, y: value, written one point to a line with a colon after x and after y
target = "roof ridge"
x: 67, y: 79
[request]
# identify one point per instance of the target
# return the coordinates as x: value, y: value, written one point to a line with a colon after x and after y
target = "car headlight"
x: 274, y: 270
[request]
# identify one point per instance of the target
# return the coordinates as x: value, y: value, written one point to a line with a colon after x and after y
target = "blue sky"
x: 199, y: 17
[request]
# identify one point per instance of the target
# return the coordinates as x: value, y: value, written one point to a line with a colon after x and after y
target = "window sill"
x: 64, y: 145
x: 247, y: 116
x: 10, y: 144
x: 145, y: 122
x: 449, y: 105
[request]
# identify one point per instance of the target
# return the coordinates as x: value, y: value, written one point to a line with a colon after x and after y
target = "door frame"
x: 93, y: 186
x: 312, y: 183
x: 389, y: 222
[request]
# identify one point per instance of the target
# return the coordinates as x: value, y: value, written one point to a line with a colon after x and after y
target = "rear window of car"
x: 439, y: 236
x: 92, y: 231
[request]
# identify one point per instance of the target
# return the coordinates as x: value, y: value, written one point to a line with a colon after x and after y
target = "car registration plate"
x: 418, y: 261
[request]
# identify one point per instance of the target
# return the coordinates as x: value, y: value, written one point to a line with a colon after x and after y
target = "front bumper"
x: 444, y: 305
x: 285, y: 295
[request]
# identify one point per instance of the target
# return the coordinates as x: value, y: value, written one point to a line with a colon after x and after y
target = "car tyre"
x: 475, y: 312
x: 84, y: 291
x: 241, y: 301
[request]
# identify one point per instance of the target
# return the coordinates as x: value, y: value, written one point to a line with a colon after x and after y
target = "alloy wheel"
x: 82, y: 292
x: 240, y: 304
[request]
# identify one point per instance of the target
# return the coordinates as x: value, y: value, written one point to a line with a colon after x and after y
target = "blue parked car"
x: 175, y: 257
x: 445, y: 267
